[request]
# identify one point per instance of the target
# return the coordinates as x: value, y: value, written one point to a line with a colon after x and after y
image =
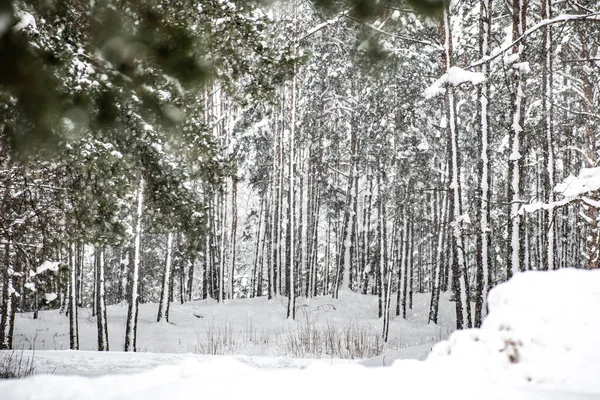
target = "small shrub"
x: 14, y: 364
x: 219, y: 340
x: 350, y: 341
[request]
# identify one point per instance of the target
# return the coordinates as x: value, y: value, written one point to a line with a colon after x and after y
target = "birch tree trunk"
x: 8, y: 302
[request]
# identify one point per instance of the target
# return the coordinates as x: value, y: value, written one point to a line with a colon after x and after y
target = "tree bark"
x: 101, y: 319
x: 132, y: 311
x: 164, y: 294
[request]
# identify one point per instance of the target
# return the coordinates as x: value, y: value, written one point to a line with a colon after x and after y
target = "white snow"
x: 30, y: 286
x: 588, y: 180
x: 47, y: 266
x: 229, y: 379
x: 539, y: 341
x: 541, y: 331
x: 522, y: 67
x: 49, y: 297
x: 456, y: 76
x: 26, y: 21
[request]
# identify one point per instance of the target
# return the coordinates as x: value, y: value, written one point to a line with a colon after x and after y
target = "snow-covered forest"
x: 394, y: 159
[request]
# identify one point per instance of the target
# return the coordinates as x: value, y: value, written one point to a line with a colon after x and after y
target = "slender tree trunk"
x: 234, y: 222
x: 348, y: 236
x: 101, y: 318
x: 483, y: 238
x: 515, y: 262
x: 164, y: 294
x: 291, y: 310
x: 73, y: 331
x: 8, y: 302
x: 405, y: 260
x: 548, y: 112
x: 132, y: 311
x: 191, y: 274
x: 410, y: 264
x: 257, y: 252
x: 459, y: 270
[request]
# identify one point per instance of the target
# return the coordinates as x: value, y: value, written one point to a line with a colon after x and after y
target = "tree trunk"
x: 73, y: 325
x: 164, y: 294
x: 234, y: 222
x: 460, y: 283
x: 483, y: 238
x: 132, y: 311
x: 101, y: 318
x: 515, y: 261
x: 291, y: 308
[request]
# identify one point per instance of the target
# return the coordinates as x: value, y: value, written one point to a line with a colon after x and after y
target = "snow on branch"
x: 572, y: 188
x: 588, y: 180
x: 454, y: 77
x: 594, y: 16
x: 322, y: 25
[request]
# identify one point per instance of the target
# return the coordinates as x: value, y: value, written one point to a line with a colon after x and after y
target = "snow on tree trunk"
x: 348, y: 229
x: 7, y: 301
x: 438, y: 259
x: 132, y: 311
x: 515, y: 180
x: 463, y: 311
x: 483, y: 239
x: 548, y: 111
x: 101, y: 319
x: 591, y: 152
x: 164, y: 294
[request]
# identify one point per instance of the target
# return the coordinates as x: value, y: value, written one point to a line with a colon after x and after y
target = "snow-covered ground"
x: 540, y: 341
x: 253, y: 327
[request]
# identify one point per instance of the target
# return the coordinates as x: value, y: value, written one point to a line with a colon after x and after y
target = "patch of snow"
x: 456, y: 76
x: 30, y: 286
x: 47, y: 266
x: 522, y: 67
x: 26, y: 21
x: 49, y: 297
x: 539, y: 341
x: 588, y: 180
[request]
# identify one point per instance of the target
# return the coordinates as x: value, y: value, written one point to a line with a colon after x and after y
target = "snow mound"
x: 542, y: 329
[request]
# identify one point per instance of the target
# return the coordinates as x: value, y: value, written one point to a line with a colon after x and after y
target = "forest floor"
x: 540, y: 341
x: 326, y: 328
